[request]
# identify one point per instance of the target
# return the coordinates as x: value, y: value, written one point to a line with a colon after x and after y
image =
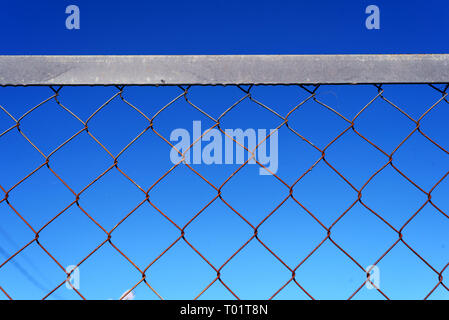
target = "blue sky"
x: 224, y: 27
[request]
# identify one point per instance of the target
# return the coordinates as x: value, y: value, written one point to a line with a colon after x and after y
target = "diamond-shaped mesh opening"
x: 52, y: 198
x: 53, y: 115
x: 384, y: 124
x: 324, y: 193
x: 291, y: 232
x: 80, y: 162
x: 262, y: 194
x: 337, y: 273
x: 391, y: 197
x: 180, y: 273
x: 189, y: 194
x: 355, y: 159
x: 64, y: 241
x: 122, y: 119
x: 374, y: 236
x: 218, y: 244
x: 113, y: 194
x: 253, y: 263
x: 318, y: 123
x: 145, y: 230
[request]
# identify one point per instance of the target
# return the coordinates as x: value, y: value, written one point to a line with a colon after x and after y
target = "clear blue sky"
x: 223, y: 27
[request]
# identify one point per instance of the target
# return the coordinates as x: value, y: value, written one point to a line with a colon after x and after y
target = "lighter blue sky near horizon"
x: 224, y: 27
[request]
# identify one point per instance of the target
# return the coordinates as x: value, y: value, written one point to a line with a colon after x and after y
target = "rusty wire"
x: 311, y: 92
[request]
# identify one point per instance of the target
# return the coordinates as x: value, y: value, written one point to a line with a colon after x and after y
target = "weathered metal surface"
x: 223, y: 69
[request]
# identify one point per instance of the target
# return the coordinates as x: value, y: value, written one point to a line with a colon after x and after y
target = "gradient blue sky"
x: 224, y: 27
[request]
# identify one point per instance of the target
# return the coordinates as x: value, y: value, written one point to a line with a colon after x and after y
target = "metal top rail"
x: 223, y: 69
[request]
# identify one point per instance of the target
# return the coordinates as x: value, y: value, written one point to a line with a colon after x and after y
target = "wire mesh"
x: 149, y: 121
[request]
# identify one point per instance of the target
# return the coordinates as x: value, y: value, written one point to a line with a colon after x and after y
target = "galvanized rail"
x: 223, y: 69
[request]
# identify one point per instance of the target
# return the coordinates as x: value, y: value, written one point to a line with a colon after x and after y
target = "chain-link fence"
x: 239, y: 191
